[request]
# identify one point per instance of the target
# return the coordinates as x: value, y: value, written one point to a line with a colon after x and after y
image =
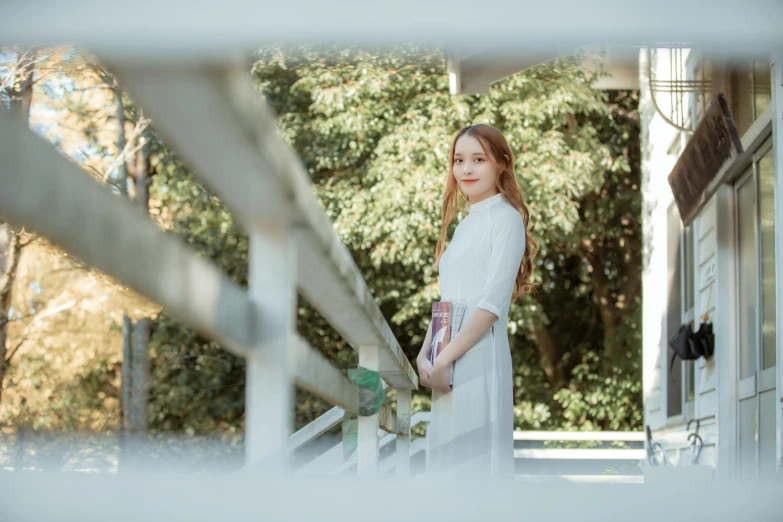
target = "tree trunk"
x: 136, y: 374
x: 140, y: 377
x: 141, y: 332
x: 136, y: 338
x: 125, y: 380
x: 611, y: 308
x: 21, y: 96
x: 607, y: 312
x: 547, y: 351
x: 142, y: 174
x: 134, y: 392
x: 122, y: 166
x: 10, y: 252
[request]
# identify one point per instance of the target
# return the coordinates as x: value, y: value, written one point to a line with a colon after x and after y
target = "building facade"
x: 720, y: 267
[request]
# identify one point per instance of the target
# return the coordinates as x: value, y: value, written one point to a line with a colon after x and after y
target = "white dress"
x: 471, y: 428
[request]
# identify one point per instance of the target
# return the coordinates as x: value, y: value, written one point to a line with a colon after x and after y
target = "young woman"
x: 487, y: 265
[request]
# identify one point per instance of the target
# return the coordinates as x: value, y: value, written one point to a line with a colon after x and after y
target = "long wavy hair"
x: 496, y: 147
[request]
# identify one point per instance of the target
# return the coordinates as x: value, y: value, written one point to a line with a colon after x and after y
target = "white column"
x: 403, y: 433
x: 777, y: 151
x: 369, y: 357
x: 268, y: 386
x: 654, y: 186
x: 725, y: 332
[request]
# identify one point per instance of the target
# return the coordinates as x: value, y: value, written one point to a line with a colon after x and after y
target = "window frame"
x: 689, y: 375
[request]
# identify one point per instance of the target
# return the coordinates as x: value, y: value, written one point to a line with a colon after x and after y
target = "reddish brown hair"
x: 496, y: 147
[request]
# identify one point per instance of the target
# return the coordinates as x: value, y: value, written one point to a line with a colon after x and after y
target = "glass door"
x: 755, y: 247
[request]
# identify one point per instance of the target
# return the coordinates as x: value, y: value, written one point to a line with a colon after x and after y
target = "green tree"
x: 374, y: 131
x: 373, y: 128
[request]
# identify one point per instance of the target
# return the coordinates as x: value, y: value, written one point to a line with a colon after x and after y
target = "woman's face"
x: 474, y: 171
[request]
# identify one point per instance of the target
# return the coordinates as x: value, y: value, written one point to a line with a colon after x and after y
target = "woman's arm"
x: 423, y: 364
x: 424, y: 353
x: 479, y: 323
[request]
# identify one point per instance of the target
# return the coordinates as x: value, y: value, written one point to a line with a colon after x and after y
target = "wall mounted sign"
x: 715, y: 142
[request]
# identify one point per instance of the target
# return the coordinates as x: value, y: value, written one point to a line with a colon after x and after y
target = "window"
x: 766, y: 175
x: 757, y: 399
x: 751, y: 91
x: 673, y: 384
x: 681, y: 382
x: 688, y: 285
x: 762, y: 87
x: 747, y: 275
x: 756, y: 271
x: 700, y: 73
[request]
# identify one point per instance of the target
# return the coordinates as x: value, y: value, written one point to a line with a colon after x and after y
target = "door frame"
x: 776, y: 77
x: 751, y: 386
x: 726, y: 327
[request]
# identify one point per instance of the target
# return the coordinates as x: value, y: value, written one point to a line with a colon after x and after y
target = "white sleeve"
x: 507, y: 241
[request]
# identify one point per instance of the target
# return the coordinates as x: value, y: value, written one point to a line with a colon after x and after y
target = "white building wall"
x: 661, y: 146
x: 715, y: 403
x: 655, y: 165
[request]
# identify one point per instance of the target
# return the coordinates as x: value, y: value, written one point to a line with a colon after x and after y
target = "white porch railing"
x: 217, y: 122
x: 615, y: 457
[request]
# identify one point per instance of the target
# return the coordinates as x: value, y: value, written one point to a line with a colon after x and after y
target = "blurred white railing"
x: 613, y: 456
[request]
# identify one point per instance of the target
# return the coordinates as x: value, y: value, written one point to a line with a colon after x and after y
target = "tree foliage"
x: 373, y: 129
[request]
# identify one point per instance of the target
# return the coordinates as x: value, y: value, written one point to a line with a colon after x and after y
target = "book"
x: 446, y: 322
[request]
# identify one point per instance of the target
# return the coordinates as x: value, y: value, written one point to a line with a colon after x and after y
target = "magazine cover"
x: 446, y: 320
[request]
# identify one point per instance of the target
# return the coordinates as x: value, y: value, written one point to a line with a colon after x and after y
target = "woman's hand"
x: 425, y: 372
x: 440, y: 377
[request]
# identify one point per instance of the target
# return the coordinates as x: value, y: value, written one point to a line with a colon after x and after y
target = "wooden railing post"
x: 268, y: 386
x: 369, y: 357
x: 403, y: 433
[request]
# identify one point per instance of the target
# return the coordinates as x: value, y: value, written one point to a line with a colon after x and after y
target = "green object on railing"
x: 370, y: 401
x: 350, y: 429
x: 370, y: 390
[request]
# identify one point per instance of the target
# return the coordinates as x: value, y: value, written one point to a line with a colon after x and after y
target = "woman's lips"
x: 469, y: 181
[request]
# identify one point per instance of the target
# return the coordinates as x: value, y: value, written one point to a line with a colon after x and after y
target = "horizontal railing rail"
x: 590, y: 436
x: 613, y: 456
